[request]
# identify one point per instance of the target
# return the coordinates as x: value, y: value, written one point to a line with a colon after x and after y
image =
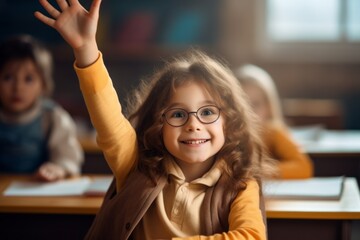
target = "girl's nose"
x: 17, y: 85
x: 193, y: 123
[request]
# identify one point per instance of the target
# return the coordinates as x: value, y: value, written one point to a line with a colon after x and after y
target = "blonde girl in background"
x: 188, y: 158
x: 262, y: 93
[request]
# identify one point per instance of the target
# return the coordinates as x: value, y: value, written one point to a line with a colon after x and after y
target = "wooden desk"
x: 45, y: 217
x: 334, y: 152
x: 71, y: 217
x: 332, y: 142
x: 314, y: 219
x: 63, y: 205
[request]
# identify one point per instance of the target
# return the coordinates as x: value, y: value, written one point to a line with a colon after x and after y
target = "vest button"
x: 128, y: 226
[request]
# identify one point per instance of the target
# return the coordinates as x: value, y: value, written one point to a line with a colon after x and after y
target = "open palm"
x: 75, y: 24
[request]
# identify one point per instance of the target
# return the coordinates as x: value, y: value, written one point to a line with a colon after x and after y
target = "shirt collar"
x: 208, y: 179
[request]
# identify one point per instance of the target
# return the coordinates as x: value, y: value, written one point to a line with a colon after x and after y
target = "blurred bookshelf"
x: 128, y: 30
x: 149, y: 29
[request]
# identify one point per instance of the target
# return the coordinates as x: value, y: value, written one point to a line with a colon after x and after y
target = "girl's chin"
x: 195, y: 161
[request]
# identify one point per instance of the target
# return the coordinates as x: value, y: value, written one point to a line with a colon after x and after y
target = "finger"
x: 62, y: 4
x: 73, y: 2
x: 39, y: 175
x: 95, y: 8
x: 51, y: 177
x: 49, y: 8
x: 48, y: 21
x: 48, y: 174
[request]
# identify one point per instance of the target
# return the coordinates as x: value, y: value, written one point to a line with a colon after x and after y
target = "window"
x: 310, y: 27
x: 353, y: 20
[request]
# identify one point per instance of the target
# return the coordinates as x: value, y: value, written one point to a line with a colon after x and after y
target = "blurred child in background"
x: 264, y: 98
x: 36, y: 135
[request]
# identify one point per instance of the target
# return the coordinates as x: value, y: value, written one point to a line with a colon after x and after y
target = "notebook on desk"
x: 82, y: 186
x: 317, y: 188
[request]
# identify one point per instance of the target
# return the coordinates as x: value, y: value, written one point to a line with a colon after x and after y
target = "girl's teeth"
x: 195, y: 142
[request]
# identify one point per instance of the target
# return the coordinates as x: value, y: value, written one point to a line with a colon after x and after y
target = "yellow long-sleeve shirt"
x: 117, y: 139
x: 293, y: 163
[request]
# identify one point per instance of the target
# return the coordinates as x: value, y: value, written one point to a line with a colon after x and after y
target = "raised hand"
x: 76, y: 25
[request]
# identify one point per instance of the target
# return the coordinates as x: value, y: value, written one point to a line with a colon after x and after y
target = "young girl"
x: 188, y: 165
x: 36, y: 135
x: 262, y: 93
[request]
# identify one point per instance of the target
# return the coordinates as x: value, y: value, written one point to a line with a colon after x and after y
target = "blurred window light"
x: 353, y: 20
x: 313, y: 20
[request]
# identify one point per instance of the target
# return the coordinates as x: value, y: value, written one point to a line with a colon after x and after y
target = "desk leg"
x: 346, y: 230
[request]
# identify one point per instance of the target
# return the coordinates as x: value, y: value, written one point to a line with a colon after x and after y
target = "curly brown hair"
x: 243, y: 149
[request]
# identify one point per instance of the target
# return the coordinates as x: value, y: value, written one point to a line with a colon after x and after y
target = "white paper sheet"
x: 68, y: 187
x: 312, y: 188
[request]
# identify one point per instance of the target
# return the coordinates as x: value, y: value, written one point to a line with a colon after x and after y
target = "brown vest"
x: 121, y: 212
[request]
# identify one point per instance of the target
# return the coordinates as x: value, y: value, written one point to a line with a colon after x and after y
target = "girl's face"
x: 20, y: 86
x: 193, y: 142
x: 258, y: 101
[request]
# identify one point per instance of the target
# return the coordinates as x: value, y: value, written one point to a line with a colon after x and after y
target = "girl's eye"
x: 178, y: 114
x: 6, y: 78
x: 207, y: 111
x: 29, y: 79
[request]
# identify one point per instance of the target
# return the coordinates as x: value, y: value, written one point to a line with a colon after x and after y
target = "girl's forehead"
x: 20, y: 63
x: 254, y: 89
x: 191, y: 93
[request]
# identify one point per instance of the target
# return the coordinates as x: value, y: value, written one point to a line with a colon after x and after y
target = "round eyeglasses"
x: 178, y: 117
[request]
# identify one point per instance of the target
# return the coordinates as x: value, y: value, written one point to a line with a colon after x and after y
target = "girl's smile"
x: 195, y: 141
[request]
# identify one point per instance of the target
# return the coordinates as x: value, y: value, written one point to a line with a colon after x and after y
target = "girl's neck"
x: 193, y: 171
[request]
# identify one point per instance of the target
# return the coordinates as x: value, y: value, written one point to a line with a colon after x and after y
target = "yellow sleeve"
x: 245, y: 218
x: 293, y: 163
x: 115, y: 135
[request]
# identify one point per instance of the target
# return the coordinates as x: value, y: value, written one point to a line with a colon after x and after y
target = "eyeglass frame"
x: 195, y: 114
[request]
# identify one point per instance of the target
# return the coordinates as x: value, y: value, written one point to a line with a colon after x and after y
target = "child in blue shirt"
x: 37, y: 136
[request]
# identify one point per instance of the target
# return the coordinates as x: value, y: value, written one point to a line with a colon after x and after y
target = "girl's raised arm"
x: 76, y: 25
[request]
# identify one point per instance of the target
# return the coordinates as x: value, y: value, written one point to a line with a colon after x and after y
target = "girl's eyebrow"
x: 182, y: 105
